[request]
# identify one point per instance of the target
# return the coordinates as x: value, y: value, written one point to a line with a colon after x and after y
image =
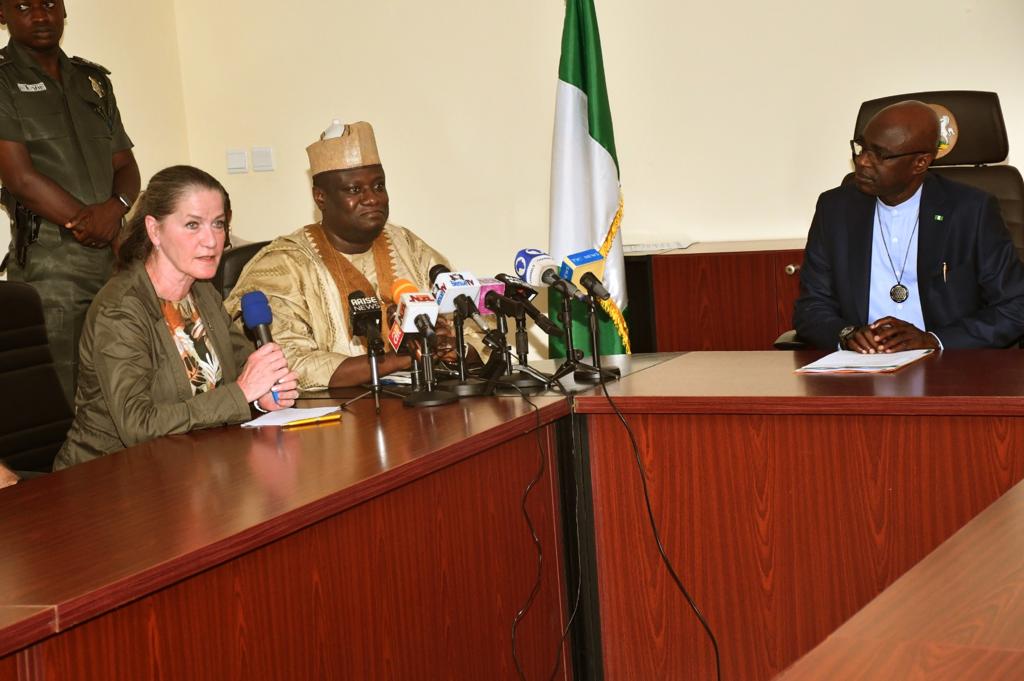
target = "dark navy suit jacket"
x: 977, y: 303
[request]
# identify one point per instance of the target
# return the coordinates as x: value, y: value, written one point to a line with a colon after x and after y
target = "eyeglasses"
x: 877, y: 154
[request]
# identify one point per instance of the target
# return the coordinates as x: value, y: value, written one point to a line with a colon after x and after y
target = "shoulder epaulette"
x: 85, y: 62
x: 4, y: 57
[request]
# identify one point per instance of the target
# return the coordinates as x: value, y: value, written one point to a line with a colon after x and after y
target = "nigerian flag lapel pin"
x: 938, y: 217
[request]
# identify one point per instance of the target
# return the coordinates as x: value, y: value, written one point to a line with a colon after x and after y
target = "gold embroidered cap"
x: 341, y: 147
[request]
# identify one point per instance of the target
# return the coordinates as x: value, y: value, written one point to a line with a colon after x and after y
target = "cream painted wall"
x: 460, y: 94
x: 730, y: 117
x: 138, y: 43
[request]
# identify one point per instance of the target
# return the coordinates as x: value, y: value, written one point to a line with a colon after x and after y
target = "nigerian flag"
x: 586, y: 207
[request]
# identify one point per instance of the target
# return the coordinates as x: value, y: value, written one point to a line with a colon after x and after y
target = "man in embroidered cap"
x: 67, y: 168
x: 904, y: 259
x: 308, y: 275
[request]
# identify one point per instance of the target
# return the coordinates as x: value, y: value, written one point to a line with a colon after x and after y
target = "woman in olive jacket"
x: 156, y: 356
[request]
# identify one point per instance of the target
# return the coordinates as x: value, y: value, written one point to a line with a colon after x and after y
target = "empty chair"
x: 34, y: 414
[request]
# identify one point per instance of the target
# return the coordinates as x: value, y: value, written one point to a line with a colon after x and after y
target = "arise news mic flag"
x: 586, y: 205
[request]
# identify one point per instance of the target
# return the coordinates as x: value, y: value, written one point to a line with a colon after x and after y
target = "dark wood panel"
x: 724, y: 296
x: 9, y: 668
x: 714, y: 302
x: 958, y: 614
x: 786, y: 266
x: 21, y: 625
x: 421, y: 583
x: 782, y: 526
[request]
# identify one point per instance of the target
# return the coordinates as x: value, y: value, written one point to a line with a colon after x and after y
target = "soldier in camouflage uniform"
x: 67, y: 169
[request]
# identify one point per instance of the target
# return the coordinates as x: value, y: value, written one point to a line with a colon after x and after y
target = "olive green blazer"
x: 132, y: 384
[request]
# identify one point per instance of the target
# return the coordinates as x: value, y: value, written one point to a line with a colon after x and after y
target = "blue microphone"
x: 257, y: 317
x: 537, y: 268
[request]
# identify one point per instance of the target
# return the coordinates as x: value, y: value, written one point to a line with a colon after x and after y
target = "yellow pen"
x: 336, y: 416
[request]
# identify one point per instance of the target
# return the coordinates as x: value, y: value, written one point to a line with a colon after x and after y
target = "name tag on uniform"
x: 32, y: 87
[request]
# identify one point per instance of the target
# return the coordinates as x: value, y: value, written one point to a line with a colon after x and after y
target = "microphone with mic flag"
x: 416, y: 313
x: 499, y: 370
x: 457, y: 292
x: 578, y: 269
x: 586, y: 269
x: 416, y: 316
x: 365, y: 321
x: 538, y: 268
x: 517, y: 289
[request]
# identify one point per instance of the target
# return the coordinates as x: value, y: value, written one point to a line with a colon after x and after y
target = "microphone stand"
x: 595, y: 374
x: 463, y: 386
x: 375, y: 350
x: 427, y: 395
x: 581, y: 371
x: 526, y: 375
x: 499, y: 369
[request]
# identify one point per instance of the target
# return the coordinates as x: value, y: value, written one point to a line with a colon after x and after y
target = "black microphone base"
x: 471, y: 387
x: 429, y: 398
x: 519, y: 381
x: 589, y: 374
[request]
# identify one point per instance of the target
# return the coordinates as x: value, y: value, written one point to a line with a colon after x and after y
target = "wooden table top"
x: 964, y: 382
x: 958, y: 615
x: 84, y: 540
x: 626, y: 364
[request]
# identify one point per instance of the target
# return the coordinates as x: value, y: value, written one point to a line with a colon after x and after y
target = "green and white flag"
x: 586, y: 206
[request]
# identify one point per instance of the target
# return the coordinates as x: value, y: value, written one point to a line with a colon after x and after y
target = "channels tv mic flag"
x: 586, y: 204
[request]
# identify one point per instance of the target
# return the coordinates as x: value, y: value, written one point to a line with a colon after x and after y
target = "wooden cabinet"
x: 724, y: 296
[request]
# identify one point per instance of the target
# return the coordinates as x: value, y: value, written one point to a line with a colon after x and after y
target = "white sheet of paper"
x: 290, y: 415
x: 843, y: 361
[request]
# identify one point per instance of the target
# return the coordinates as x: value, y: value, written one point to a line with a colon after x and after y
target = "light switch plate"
x: 262, y: 159
x: 238, y: 161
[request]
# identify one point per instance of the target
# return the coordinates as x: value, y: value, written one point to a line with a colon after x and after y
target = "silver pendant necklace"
x: 898, y: 292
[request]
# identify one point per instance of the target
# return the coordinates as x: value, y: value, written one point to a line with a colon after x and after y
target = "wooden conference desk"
x: 786, y: 502
x: 369, y: 549
x: 395, y: 548
x: 958, y: 615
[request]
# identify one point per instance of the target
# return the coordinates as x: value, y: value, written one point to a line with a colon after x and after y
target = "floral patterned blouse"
x: 189, y: 334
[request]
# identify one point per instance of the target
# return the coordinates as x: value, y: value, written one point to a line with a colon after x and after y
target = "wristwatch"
x: 845, y: 334
x: 124, y: 201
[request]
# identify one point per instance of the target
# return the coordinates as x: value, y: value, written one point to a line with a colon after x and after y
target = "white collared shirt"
x: 895, y: 228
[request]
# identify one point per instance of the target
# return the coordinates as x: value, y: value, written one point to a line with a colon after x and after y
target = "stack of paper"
x: 295, y: 417
x: 845, y: 361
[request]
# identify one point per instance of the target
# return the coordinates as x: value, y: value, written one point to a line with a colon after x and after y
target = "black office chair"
x: 972, y: 124
x: 34, y: 414
x: 231, y: 265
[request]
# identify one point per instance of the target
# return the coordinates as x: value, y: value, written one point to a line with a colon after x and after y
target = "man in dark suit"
x: 904, y: 259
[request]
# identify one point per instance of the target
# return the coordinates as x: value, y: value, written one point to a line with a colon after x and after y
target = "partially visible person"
x: 157, y: 354
x: 7, y: 477
x: 67, y: 169
x: 308, y: 275
x: 905, y: 259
